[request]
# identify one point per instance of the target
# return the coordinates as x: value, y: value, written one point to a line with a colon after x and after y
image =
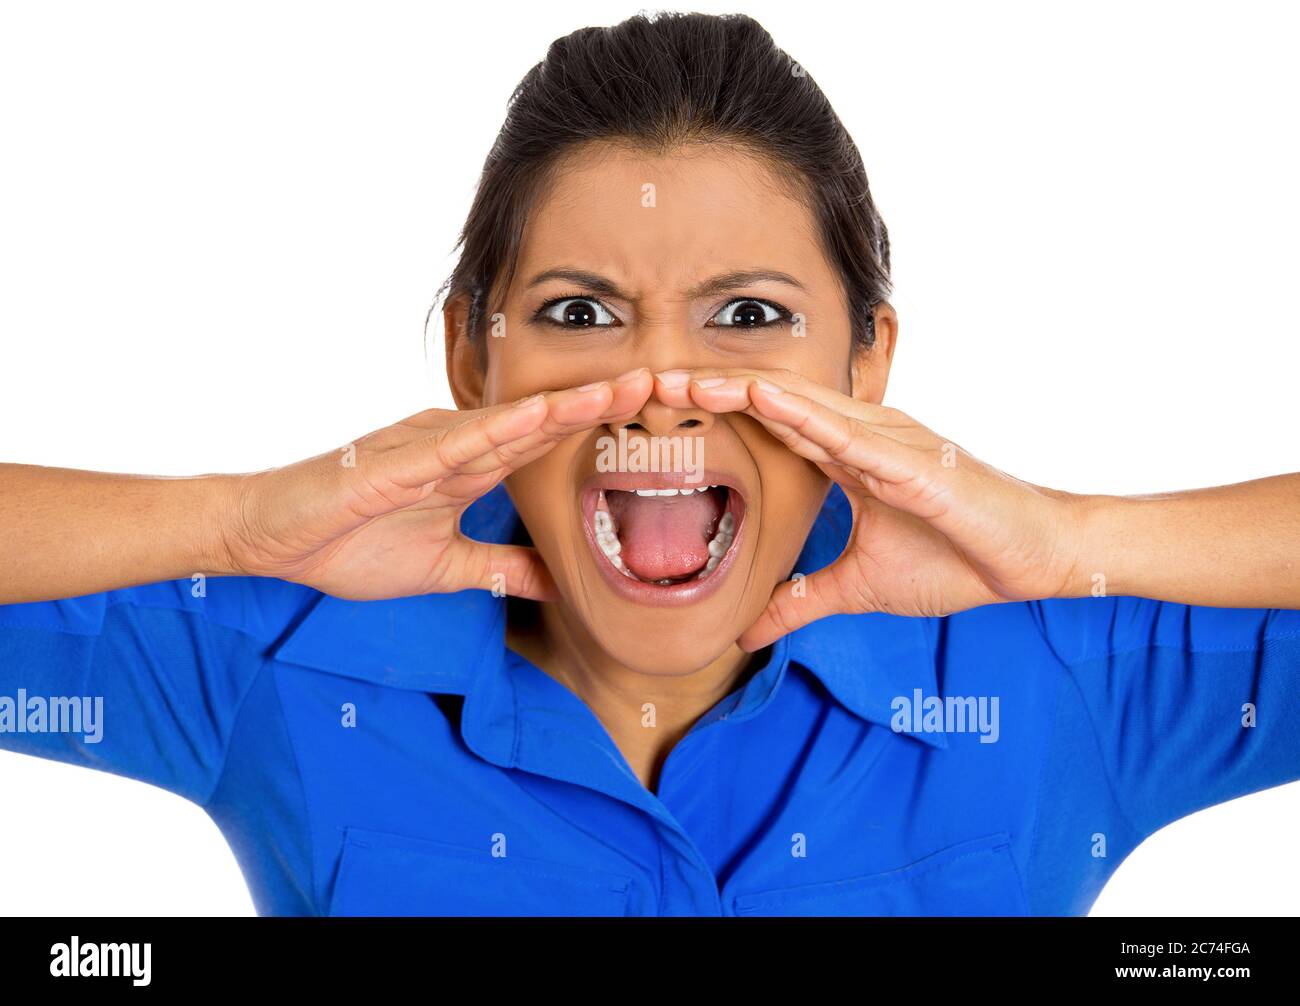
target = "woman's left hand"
x: 935, y: 530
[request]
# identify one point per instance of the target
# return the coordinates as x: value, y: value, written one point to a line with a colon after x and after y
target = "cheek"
x: 785, y: 474
x: 502, y: 381
x: 538, y: 493
x: 508, y: 377
x: 522, y: 367
x: 793, y: 492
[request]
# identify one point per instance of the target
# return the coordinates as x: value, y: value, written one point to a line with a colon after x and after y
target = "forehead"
x: 670, y: 220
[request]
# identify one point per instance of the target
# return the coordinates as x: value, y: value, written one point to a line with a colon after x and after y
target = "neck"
x: 557, y: 642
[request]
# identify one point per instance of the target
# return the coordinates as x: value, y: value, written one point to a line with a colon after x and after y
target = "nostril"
x: 691, y: 422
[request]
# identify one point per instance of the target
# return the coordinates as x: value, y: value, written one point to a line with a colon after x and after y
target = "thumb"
x: 508, y: 570
x: 795, y: 603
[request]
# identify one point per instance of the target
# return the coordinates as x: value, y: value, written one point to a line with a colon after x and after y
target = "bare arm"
x: 1234, y: 546
x: 65, y: 533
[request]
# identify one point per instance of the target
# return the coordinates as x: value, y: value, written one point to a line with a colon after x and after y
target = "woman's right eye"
x: 576, y: 312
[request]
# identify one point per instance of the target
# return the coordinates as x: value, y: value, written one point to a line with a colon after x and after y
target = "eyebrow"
x: 717, y: 284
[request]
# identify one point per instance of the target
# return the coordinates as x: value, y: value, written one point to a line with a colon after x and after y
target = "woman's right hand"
x: 381, y: 518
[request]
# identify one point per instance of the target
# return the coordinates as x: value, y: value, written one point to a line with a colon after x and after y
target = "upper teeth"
x: 672, y: 492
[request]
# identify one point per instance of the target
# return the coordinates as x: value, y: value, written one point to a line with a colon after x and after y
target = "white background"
x: 221, y: 227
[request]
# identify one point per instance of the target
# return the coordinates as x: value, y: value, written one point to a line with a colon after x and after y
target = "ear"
x: 869, y: 368
x: 464, y: 359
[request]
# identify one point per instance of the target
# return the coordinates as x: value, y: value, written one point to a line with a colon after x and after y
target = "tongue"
x: 664, y: 536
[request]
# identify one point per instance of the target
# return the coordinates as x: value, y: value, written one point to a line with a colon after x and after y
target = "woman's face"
x: 656, y: 230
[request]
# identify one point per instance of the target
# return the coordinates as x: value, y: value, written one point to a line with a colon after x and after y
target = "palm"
x: 398, y: 554
x: 898, y: 563
x: 989, y: 550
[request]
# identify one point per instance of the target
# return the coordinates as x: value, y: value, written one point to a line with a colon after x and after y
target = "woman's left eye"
x: 750, y: 313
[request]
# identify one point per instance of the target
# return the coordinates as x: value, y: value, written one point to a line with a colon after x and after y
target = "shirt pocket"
x: 975, y: 877
x: 386, y: 874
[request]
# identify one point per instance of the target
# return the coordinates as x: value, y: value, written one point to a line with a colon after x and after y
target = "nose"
x: 659, y: 420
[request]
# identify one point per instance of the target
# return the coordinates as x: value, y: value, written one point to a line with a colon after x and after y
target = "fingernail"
x: 623, y: 378
x: 767, y: 386
x: 673, y: 378
x: 524, y: 403
x: 710, y: 382
x: 592, y: 386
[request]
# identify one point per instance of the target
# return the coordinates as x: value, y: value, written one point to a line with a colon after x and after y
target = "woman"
x: 671, y: 616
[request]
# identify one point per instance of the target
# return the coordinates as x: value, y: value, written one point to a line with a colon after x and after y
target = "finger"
x: 435, y: 455
x: 569, y: 412
x: 785, y: 416
x: 506, y: 570
x: 754, y: 394
x: 626, y: 389
x: 457, y: 489
x: 897, y: 473
x: 848, y: 477
x: 739, y: 391
x: 728, y: 390
x: 793, y: 604
x: 501, y: 439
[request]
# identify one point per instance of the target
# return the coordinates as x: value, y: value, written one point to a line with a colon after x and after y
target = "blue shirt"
x: 394, y: 757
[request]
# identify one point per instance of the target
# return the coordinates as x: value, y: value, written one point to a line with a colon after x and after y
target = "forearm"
x: 1235, y: 546
x: 65, y: 533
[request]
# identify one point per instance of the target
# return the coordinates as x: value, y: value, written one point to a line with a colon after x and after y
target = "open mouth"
x: 657, y: 533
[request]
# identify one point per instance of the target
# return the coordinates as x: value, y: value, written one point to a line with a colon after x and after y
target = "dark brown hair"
x: 656, y: 81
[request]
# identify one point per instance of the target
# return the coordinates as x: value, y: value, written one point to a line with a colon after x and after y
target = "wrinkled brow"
x: 604, y: 287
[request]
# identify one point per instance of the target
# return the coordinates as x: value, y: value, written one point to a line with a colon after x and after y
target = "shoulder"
x: 257, y: 606
x: 1084, y: 629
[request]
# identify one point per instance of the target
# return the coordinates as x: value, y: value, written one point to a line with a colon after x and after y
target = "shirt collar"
x: 455, y: 643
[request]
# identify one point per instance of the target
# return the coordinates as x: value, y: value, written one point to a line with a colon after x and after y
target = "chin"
x: 666, y: 648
